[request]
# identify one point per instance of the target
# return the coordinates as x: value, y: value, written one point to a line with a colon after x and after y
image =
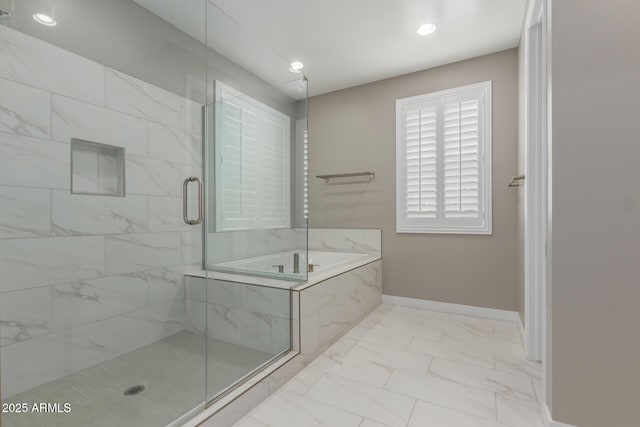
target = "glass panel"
x: 256, y: 235
x: 128, y: 309
x: 93, y: 314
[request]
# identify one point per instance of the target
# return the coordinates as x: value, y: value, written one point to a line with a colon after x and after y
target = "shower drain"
x: 136, y: 389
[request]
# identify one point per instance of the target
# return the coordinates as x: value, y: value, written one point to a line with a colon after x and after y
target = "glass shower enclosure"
x: 151, y: 209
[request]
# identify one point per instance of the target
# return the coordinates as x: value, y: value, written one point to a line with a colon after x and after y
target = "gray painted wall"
x: 354, y: 129
x: 596, y: 213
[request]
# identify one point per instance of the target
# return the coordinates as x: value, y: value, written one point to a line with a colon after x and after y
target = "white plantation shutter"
x: 252, y: 163
x: 306, y: 176
x: 421, y: 179
x: 444, y: 161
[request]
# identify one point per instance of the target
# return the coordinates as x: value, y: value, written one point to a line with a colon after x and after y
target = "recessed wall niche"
x: 97, y: 169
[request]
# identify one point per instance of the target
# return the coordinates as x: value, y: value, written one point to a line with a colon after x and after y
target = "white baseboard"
x: 548, y: 421
x: 521, y: 329
x: 465, y: 310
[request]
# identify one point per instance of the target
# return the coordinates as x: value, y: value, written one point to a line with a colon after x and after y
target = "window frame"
x: 441, y: 225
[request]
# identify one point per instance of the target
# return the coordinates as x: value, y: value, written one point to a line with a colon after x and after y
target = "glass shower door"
x: 101, y: 216
x: 256, y: 233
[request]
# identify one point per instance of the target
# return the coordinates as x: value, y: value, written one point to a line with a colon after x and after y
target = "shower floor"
x: 171, y: 370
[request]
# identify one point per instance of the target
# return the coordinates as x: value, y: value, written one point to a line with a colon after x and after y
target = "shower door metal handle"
x: 185, y: 201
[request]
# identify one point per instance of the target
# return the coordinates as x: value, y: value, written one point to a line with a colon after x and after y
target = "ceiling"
x: 344, y: 43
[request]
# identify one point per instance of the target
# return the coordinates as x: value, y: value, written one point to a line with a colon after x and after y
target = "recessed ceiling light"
x: 426, y: 29
x: 296, y: 67
x: 43, y: 19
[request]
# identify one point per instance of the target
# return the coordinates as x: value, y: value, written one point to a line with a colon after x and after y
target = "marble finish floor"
x: 172, y: 371
x: 402, y: 367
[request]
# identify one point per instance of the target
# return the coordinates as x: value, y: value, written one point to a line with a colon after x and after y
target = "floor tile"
x: 488, y: 379
x: 391, y: 356
x: 518, y: 365
x: 406, y: 367
x: 250, y: 422
x: 471, y: 400
x: 371, y: 402
x: 289, y: 409
x: 537, y: 385
x: 454, y: 351
x: 375, y: 374
x: 371, y: 423
x: 430, y: 415
x: 516, y: 412
x: 303, y: 381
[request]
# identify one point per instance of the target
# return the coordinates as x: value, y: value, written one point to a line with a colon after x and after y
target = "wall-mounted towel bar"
x: 516, y: 181
x: 327, y: 178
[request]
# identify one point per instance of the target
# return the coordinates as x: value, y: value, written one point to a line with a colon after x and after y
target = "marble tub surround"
x: 88, y: 278
x: 330, y: 308
x: 345, y: 240
x: 396, y: 369
x: 321, y: 314
x: 252, y: 316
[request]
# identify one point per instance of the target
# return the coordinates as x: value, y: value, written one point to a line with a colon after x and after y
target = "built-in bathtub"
x: 345, y: 286
x: 325, y: 264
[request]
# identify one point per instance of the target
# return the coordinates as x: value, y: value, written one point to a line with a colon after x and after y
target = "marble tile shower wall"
x: 251, y: 316
x: 235, y: 245
x: 87, y: 278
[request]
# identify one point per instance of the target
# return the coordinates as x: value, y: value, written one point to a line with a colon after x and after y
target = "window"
x: 443, y: 161
x: 252, y: 163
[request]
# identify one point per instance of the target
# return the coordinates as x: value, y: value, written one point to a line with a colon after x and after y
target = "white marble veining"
x: 378, y: 404
x: 128, y: 253
x: 390, y: 356
x: 345, y: 240
x: 84, y: 302
x: 252, y: 316
x: 288, y: 409
x: 455, y: 352
x: 138, y: 98
x: 303, y: 381
x: 266, y: 300
x: 474, y: 401
x: 488, y: 379
x: 24, y: 110
x: 238, y: 245
x: 513, y: 411
x: 216, y: 291
x: 331, y: 307
x: 164, y: 285
x: 36, y: 63
x: 30, y: 162
x: 192, y: 247
x: 421, y: 390
x: 360, y: 370
x: 166, y: 213
x: 239, y: 326
x: 82, y: 214
x: 122, y: 334
x: 24, y: 212
x: 429, y: 415
x: 37, y: 361
x: 153, y: 177
x: 25, y: 315
x: 30, y: 263
x: 172, y: 144
x: 87, y: 278
x: 80, y: 120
